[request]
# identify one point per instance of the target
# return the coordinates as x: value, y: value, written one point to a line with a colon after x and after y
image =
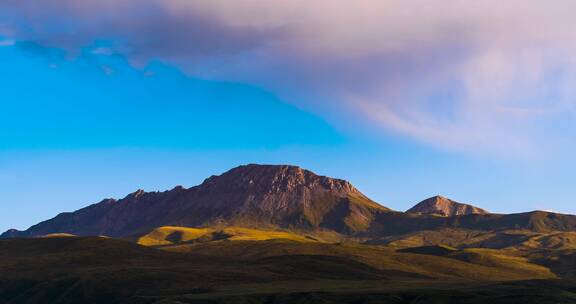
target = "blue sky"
x: 90, y: 110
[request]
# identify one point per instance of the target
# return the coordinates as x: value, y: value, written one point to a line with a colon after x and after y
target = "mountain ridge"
x: 281, y: 197
x: 250, y: 195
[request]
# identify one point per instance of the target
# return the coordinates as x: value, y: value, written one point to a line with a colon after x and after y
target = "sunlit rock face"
x: 442, y: 206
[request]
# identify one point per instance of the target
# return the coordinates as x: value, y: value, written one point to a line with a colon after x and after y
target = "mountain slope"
x: 398, y: 223
x: 249, y: 196
x: 442, y: 206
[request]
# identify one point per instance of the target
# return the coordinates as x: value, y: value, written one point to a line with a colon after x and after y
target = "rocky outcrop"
x: 439, y: 205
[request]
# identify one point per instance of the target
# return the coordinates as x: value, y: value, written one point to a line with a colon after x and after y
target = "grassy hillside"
x: 465, y: 238
x: 271, y: 269
x: 176, y: 235
x: 385, y: 259
x: 392, y: 224
x: 430, y: 261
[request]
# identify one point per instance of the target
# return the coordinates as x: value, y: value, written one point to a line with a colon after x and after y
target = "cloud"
x: 483, y: 76
x: 7, y: 42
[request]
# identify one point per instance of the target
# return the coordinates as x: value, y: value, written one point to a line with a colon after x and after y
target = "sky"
x: 406, y: 99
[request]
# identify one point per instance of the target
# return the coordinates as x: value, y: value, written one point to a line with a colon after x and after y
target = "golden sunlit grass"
x: 556, y: 241
x: 247, y: 234
x: 498, y: 260
x: 171, y: 235
x: 161, y: 236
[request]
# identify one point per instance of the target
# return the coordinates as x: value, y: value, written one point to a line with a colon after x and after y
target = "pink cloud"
x: 482, y: 76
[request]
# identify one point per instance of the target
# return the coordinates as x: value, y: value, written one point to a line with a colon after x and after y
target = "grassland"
x: 435, y: 261
x: 245, y: 265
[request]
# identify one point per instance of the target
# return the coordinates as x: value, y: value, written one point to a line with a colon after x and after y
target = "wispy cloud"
x: 484, y: 76
x: 7, y: 42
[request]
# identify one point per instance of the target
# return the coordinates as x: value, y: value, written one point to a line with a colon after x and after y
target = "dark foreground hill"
x: 70, y: 270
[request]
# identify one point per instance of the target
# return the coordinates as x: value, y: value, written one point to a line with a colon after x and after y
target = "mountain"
x: 249, y: 196
x: 288, y: 198
x: 442, y: 206
x: 282, y: 234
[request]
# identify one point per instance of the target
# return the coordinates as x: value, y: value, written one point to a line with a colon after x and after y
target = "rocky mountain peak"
x: 270, y: 179
x: 251, y: 195
x: 443, y: 206
x: 136, y: 194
